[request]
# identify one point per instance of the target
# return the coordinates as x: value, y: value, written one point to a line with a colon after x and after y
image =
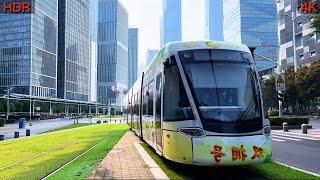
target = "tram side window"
x: 135, y: 104
x: 145, y: 101
x: 150, y: 98
x: 158, y: 95
x: 176, y: 105
x: 138, y: 103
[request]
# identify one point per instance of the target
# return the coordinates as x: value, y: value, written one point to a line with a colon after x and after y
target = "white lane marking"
x: 295, y: 136
x: 287, y: 138
x: 279, y: 140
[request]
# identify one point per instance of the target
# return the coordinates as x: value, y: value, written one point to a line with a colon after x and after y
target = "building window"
x: 299, y: 41
x: 313, y: 53
x: 312, y: 35
x: 301, y: 57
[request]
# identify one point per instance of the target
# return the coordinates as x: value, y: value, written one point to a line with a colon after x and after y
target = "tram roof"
x: 172, y: 47
x: 189, y: 45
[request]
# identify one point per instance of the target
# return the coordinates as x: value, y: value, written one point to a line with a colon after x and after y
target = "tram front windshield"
x: 224, y: 87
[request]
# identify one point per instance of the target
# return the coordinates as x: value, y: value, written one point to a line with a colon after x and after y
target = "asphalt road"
x: 296, y: 150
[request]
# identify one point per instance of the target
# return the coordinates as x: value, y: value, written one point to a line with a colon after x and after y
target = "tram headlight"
x: 267, y: 130
x: 194, y: 132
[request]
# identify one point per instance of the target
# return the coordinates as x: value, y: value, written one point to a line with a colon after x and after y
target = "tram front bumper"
x: 217, y: 150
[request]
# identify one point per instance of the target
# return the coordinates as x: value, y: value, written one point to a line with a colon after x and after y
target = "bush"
x: 273, y: 113
x: 291, y: 120
x: 2, y: 121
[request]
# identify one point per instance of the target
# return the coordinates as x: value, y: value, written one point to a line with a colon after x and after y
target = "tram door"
x: 158, y: 112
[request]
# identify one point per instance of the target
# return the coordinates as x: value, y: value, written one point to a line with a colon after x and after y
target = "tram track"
x: 80, y: 155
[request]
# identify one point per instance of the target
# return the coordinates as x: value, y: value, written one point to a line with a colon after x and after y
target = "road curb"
x: 153, y: 166
x: 301, y: 170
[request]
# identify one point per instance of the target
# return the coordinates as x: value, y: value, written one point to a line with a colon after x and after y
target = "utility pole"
x: 279, y: 92
x: 8, y: 104
x: 293, y: 9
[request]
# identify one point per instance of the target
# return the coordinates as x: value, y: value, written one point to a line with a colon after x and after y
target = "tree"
x: 291, y: 88
x: 269, y: 93
x: 316, y: 23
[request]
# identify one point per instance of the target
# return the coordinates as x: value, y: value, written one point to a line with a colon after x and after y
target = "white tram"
x: 200, y: 103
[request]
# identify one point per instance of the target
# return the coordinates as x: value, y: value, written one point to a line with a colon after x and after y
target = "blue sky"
x: 145, y: 15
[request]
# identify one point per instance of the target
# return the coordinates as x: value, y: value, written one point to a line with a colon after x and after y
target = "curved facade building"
x: 253, y: 23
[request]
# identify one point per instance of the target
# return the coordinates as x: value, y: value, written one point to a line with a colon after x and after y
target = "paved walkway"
x: 123, y: 162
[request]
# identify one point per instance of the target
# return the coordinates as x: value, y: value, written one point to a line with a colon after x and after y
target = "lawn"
x: 83, y: 167
x: 180, y: 171
x: 107, y: 116
x: 71, y: 126
x: 36, y: 156
x: 261, y: 171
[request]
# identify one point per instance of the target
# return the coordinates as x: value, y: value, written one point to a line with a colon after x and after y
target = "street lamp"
x: 8, y: 102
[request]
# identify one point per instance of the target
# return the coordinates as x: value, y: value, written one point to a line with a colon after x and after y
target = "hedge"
x: 2, y: 121
x: 292, y: 121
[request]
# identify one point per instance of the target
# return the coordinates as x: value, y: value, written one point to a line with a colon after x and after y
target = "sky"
x: 145, y: 15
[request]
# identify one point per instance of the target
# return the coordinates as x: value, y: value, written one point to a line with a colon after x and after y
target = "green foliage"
x: 291, y: 120
x: 2, y: 121
x: 302, y: 89
x: 269, y: 92
x: 316, y: 23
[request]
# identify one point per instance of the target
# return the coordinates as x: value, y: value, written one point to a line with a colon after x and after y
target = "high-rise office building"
x: 93, y: 37
x: 28, y: 51
x: 133, y: 56
x: 307, y: 41
x: 170, y: 22
x: 73, y: 50
x: 112, y: 52
x: 214, y: 20
x: 151, y: 53
x: 253, y: 23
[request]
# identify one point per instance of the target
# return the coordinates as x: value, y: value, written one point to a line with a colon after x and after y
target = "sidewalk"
x: 123, y: 162
x: 38, y: 126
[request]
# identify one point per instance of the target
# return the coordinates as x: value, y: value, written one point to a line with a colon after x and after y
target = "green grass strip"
x: 162, y: 163
x: 276, y: 171
x: 83, y: 167
x: 36, y: 156
x: 260, y: 171
x: 71, y: 126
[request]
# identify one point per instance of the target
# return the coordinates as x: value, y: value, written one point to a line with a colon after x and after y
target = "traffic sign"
x: 280, y: 82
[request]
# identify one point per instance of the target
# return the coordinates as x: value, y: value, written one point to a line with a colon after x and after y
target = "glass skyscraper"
x: 112, y: 52
x: 133, y: 56
x: 93, y: 50
x: 73, y: 50
x: 214, y: 20
x: 253, y: 23
x: 28, y: 50
x: 170, y: 21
